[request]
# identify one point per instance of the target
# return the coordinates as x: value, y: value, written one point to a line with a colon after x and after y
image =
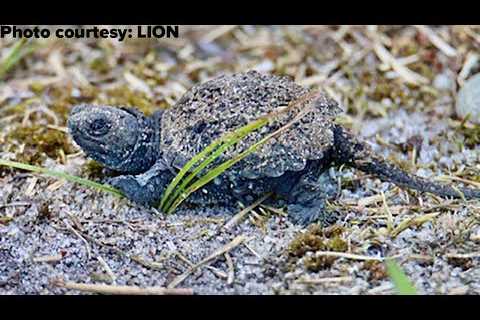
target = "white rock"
x: 468, y: 99
x: 443, y: 82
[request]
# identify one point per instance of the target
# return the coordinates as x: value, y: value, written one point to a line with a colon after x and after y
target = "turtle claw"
x: 130, y: 187
x: 305, y: 215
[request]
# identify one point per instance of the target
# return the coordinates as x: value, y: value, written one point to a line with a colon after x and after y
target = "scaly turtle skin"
x: 149, y: 151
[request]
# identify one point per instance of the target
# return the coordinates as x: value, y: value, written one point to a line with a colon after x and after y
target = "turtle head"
x: 122, y: 139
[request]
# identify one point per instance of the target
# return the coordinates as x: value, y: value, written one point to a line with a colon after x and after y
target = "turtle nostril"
x: 71, y: 123
x: 77, y: 109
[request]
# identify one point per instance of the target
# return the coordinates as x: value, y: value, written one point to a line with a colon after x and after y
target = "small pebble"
x: 264, y: 66
x: 468, y: 100
x: 443, y: 82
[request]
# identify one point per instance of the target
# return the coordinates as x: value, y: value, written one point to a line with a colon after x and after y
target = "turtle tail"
x: 349, y: 150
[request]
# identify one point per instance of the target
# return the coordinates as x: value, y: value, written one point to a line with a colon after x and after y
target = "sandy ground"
x: 53, y: 232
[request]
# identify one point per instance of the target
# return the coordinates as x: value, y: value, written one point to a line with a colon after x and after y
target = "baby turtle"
x: 149, y: 151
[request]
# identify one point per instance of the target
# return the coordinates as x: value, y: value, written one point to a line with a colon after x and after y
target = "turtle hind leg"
x: 307, y: 199
x: 145, y: 189
x: 306, y: 193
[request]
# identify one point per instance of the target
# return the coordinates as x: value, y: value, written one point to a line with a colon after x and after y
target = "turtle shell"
x: 216, y: 107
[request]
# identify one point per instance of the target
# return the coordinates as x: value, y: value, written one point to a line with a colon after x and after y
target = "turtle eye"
x: 99, y: 127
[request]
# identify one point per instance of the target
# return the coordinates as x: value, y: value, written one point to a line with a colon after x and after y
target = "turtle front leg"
x: 145, y: 189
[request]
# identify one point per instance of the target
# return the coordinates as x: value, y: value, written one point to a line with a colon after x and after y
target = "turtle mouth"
x: 98, y: 150
x: 95, y: 147
x: 92, y: 147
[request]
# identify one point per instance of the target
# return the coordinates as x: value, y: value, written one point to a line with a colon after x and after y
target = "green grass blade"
x: 167, y: 193
x: 62, y: 175
x: 224, y: 142
x: 15, y: 54
x: 399, y: 279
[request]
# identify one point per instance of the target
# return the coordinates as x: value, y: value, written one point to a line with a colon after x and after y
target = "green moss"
x: 311, y: 240
x: 20, y: 108
x: 384, y: 88
x: 62, y: 100
x: 337, y: 244
x: 463, y: 263
x: 471, y: 134
x: 37, y: 87
x: 100, y: 65
x: 402, y: 164
x: 408, y: 49
x: 423, y: 69
x: 333, y: 231
x: 124, y: 96
x: 376, y: 270
x: 92, y: 169
x: 61, y: 109
x: 317, y: 263
x: 5, y: 220
x: 44, y: 211
x: 39, y: 142
x: 315, y: 239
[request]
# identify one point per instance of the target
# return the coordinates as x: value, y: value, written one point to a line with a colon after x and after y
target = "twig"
x: 31, y: 186
x: 437, y: 41
x: 15, y: 204
x: 407, y: 74
x: 447, y: 178
x: 234, y: 243
x: 463, y: 255
x: 421, y: 257
x: 54, y: 258
x: 107, y: 269
x: 216, y: 33
x: 75, y: 232
x: 239, y: 216
x: 351, y: 256
x: 382, y: 288
x: 388, y: 212
x: 324, y: 280
x: 277, y: 211
x: 214, y: 270
x: 58, y: 128
x: 364, y: 202
x: 255, y: 253
x: 231, y: 270
x: 470, y: 62
x: 412, y: 221
x: 123, y: 290
x: 147, y: 264
x: 475, y: 237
